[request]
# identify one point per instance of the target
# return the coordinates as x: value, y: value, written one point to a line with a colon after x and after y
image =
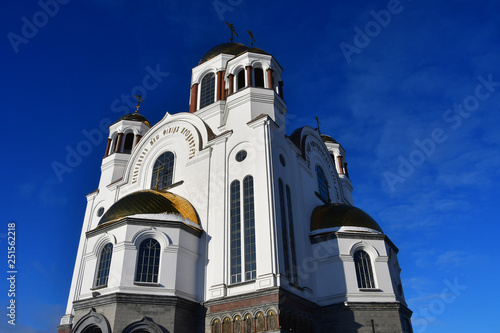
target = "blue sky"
x: 411, y: 89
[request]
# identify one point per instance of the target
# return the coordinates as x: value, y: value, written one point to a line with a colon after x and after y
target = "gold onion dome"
x: 327, y: 138
x: 150, y: 202
x: 135, y: 117
x: 229, y: 48
x: 340, y: 215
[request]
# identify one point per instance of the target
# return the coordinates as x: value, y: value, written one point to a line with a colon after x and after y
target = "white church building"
x: 217, y: 221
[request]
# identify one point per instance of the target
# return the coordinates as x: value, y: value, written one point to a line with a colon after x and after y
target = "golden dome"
x: 340, y: 215
x: 135, y: 117
x: 327, y: 138
x: 150, y: 202
x: 229, y: 48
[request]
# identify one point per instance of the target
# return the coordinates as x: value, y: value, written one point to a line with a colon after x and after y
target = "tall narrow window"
x: 162, y: 171
x: 292, y: 235
x: 207, y: 95
x: 241, y: 80
x: 235, y: 232
x: 284, y: 231
x: 148, y: 261
x: 249, y: 216
x: 322, y: 184
x: 364, y: 271
x: 103, y: 267
x: 129, y: 142
x: 259, y: 77
x: 114, y: 145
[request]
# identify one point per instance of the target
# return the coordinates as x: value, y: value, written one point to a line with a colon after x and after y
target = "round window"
x: 282, y: 160
x: 100, y: 211
x: 241, y: 155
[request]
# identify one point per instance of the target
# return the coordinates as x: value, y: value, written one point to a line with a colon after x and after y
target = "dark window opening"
x: 259, y: 77
x: 241, y: 80
x: 129, y: 142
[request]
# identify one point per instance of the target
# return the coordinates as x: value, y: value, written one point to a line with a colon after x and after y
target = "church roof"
x: 327, y: 138
x: 229, y: 48
x: 135, y: 117
x: 341, y: 215
x: 149, y: 202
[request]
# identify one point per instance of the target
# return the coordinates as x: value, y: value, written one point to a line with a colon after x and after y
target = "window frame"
x: 242, y: 240
x: 206, y: 93
x: 138, y: 264
x: 323, y: 186
x: 167, y: 171
x: 101, y: 263
x: 365, y: 273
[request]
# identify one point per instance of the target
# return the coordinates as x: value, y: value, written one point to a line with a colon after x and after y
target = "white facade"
x: 195, y: 259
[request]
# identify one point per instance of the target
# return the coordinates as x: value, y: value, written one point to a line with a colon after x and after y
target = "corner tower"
x: 234, y: 83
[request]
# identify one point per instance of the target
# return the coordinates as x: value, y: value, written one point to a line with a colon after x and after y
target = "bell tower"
x: 234, y: 83
x: 124, y: 135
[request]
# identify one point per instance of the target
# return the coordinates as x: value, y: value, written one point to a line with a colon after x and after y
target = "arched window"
x: 103, y: 267
x: 284, y: 230
x: 129, y: 142
x: 114, y: 145
x: 364, y: 271
x: 207, y: 95
x: 292, y: 235
x: 148, y: 261
x: 322, y: 184
x: 249, y: 215
x: 259, y: 77
x: 235, y: 207
x: 162, y: 171
x: 241, y: 80
x: 245, y: 233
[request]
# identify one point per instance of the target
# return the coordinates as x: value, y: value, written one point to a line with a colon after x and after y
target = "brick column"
x: 119, y: 143
x: 108, y: 145
x: 218, y: 93
x: 269, y: 78
x: 249, y: 76
x: 138, y: 138
x: 194, y: 98
x: 223, y: 86
x: 231, y: 83
x: 341, y: 167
